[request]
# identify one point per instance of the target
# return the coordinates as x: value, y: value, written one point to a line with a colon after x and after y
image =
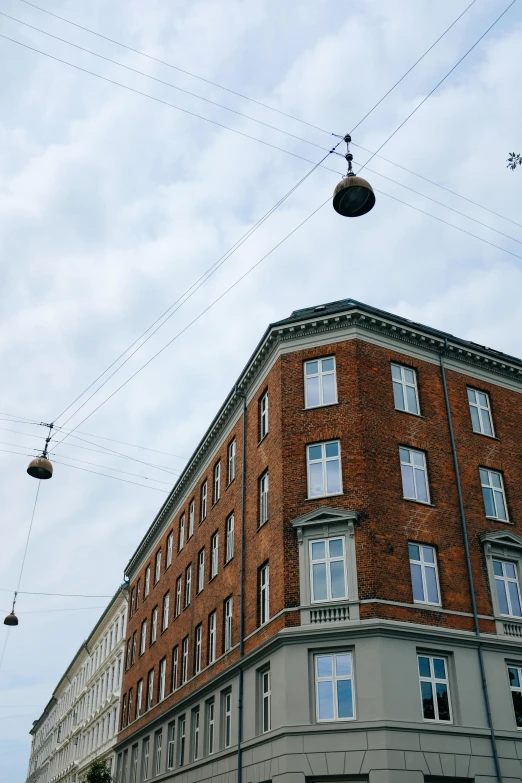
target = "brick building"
x: 303, y: 606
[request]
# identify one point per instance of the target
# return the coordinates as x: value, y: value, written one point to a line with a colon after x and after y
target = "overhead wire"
x: 60, y: 595
x: 65, y: 609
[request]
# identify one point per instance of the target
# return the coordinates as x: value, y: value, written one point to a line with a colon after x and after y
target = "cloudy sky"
x: 112, y: 205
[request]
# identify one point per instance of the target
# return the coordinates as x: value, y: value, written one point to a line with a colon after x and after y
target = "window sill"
x: 420, y: 604
x: 263, y: 439
x: 502, y: 521
x: 410, y: 413
x: 321, y: 497
x: 211, y: 579
x: 214, y: 504
x: 228, y: 561
x: 319, y: 407
x: 420, y: 502
x: 230, y: 482
x: 260, y: 527
x: 485, y: 435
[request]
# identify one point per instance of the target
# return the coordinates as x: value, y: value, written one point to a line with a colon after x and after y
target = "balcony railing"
x: 513, y: 629
x: 329, y: 614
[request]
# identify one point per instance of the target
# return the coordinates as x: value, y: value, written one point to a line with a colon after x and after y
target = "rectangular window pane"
x: 515, y: 599
x: 316, y: 479
x: 324, y: 666
x: 333, y: 476
x: 329, y: 389
x: 428, y: 707
x: 325, y: 696
x: 475, y: 419
x: 431, y: 585
x: 408, y: 484
x: 502, y: 596
x: 411, y: 399
x: 416, y: 581
x: 338, y: 582
x: 398, y: 396
x: 344, y: 699
x: 443, y: 701
x: 319, y: 588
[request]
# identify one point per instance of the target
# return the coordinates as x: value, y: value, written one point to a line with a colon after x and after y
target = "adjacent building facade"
x: 331, y: 591
x: 80, y: 722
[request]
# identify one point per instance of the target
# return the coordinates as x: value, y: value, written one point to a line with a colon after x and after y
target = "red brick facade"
x: 370, y: 431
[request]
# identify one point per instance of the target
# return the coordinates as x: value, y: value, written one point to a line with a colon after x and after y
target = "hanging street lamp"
x: 353, y: 196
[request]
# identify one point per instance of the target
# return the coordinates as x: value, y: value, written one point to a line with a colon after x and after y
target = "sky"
x: 112, y: 205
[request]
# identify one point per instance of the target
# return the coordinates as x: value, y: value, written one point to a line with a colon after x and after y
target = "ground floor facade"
x: 369, y: 701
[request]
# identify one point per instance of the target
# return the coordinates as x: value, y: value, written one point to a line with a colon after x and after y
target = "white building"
x: 80, y: 722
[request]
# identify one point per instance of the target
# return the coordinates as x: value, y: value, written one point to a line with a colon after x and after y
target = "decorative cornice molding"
x: 502, y: 538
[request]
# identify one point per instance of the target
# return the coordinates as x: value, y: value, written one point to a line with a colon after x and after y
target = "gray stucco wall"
x: 388, y: 741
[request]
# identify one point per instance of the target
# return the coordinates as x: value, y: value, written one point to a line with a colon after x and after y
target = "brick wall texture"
x: 370, y: 431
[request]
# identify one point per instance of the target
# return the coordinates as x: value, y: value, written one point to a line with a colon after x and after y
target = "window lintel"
x: 323, y: 517
x: 500, y: 539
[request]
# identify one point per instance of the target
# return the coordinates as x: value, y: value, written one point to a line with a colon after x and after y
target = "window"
x: 434, y: 688
x: 175, y: 656
x: 405, y: 393
x: 177, y: 609
x: 195, y: 734
x: 231, y: 461
x: 424, y: 577
x: 129, y: 707
x: 324, y: 469
x: 227, y: 719
x: 184, y: 660
x: 212, y: 637
x: 264, y: 594
x: 145, y: 759
x: 203, y: 501
x: 150, y: 689
x: 508, y: 590
x: 147, y: 582
x: 266, y: 701
x: 480, y: 411
x: 188, y: 584
x: 181, y: 729
x: 139, y: 697
x: 414, y: 475
x: 197, y: 649
x: 210, y: 727
x: 131, y: 602
x: 334, y: 687
x: 134, y: 765
x: 263, y: 416
x: 328, y: 569
x: 181, y: 532
x: 170, y: 541
x: 320, y: 382
x: 128, y: 656
x: 228, y: 623
x: 217, y: 481
x: 515, y: 684
x: 171, y: 745
x: 162, y: 679
x: 214, y: 543
x: 157, y: 567
x: 158, y: 737
x: 138, y: 592
x: 191, y: 519
x: 493, y: 494
x: 134, y: 645
x: 201, y: 570
x: 165, y: 618
x: 154, y: 625
x: 263, y: 498
x: 123, y: 713
x: 229, y: 551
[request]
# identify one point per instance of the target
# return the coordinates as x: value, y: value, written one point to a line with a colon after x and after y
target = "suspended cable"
x: 28, y: 537
x: 438, y: 84
x: 60, y: 595
x: 175, y: 306
x: 66, y: 609
x: 107, y: 467
x: 414, y: 65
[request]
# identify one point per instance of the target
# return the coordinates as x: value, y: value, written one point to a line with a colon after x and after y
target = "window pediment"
x: 502, y: 538
x: 323, y: 517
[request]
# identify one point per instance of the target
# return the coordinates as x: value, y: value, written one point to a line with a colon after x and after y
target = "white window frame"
x: 319, y: 374
x: 170, y: 542
x: 211, y: 727
x: 264, y: 487
x: 154, y: 625
x: 515, y: 689
x: 494, y: 490
x: 334, y: 679
x: 146, y: 589
x: 136, y: 605
x: 482, y: 411
x: 143, y: 637
x: 195, y: 733
x: 201, y: 570
x: 406, y: 384
x: 231, y: 452
x: 203, y: 500
x: 217, y: 481
x: 425, y: 564
x: 263, y: 416
x: 323, y: 460
x: 197, y: 649
x: 266, y: 701
x: 145, y: 759
x: 327, y: 560
x: 157, y: 567
x: 214, y: 559
x: 434, y: 680
x: 184, y: 660
x: 506, y: 580
x: 212, y: 634
x: 415, y: 467
x: 227, y: 715
x: 162, y: 679
x: 139, y: 697
x: 179, y: 587
x: 171, y: 745
x: 228, y: 613
x: 175, y: 665
x: 229, y: 527
x: 150, y: 689
x: 191, y: 519
x: 264, y: 594
x: 166, y: 609
x: 182, y: 740
x: 188, y: 584
x: 181, y: 542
